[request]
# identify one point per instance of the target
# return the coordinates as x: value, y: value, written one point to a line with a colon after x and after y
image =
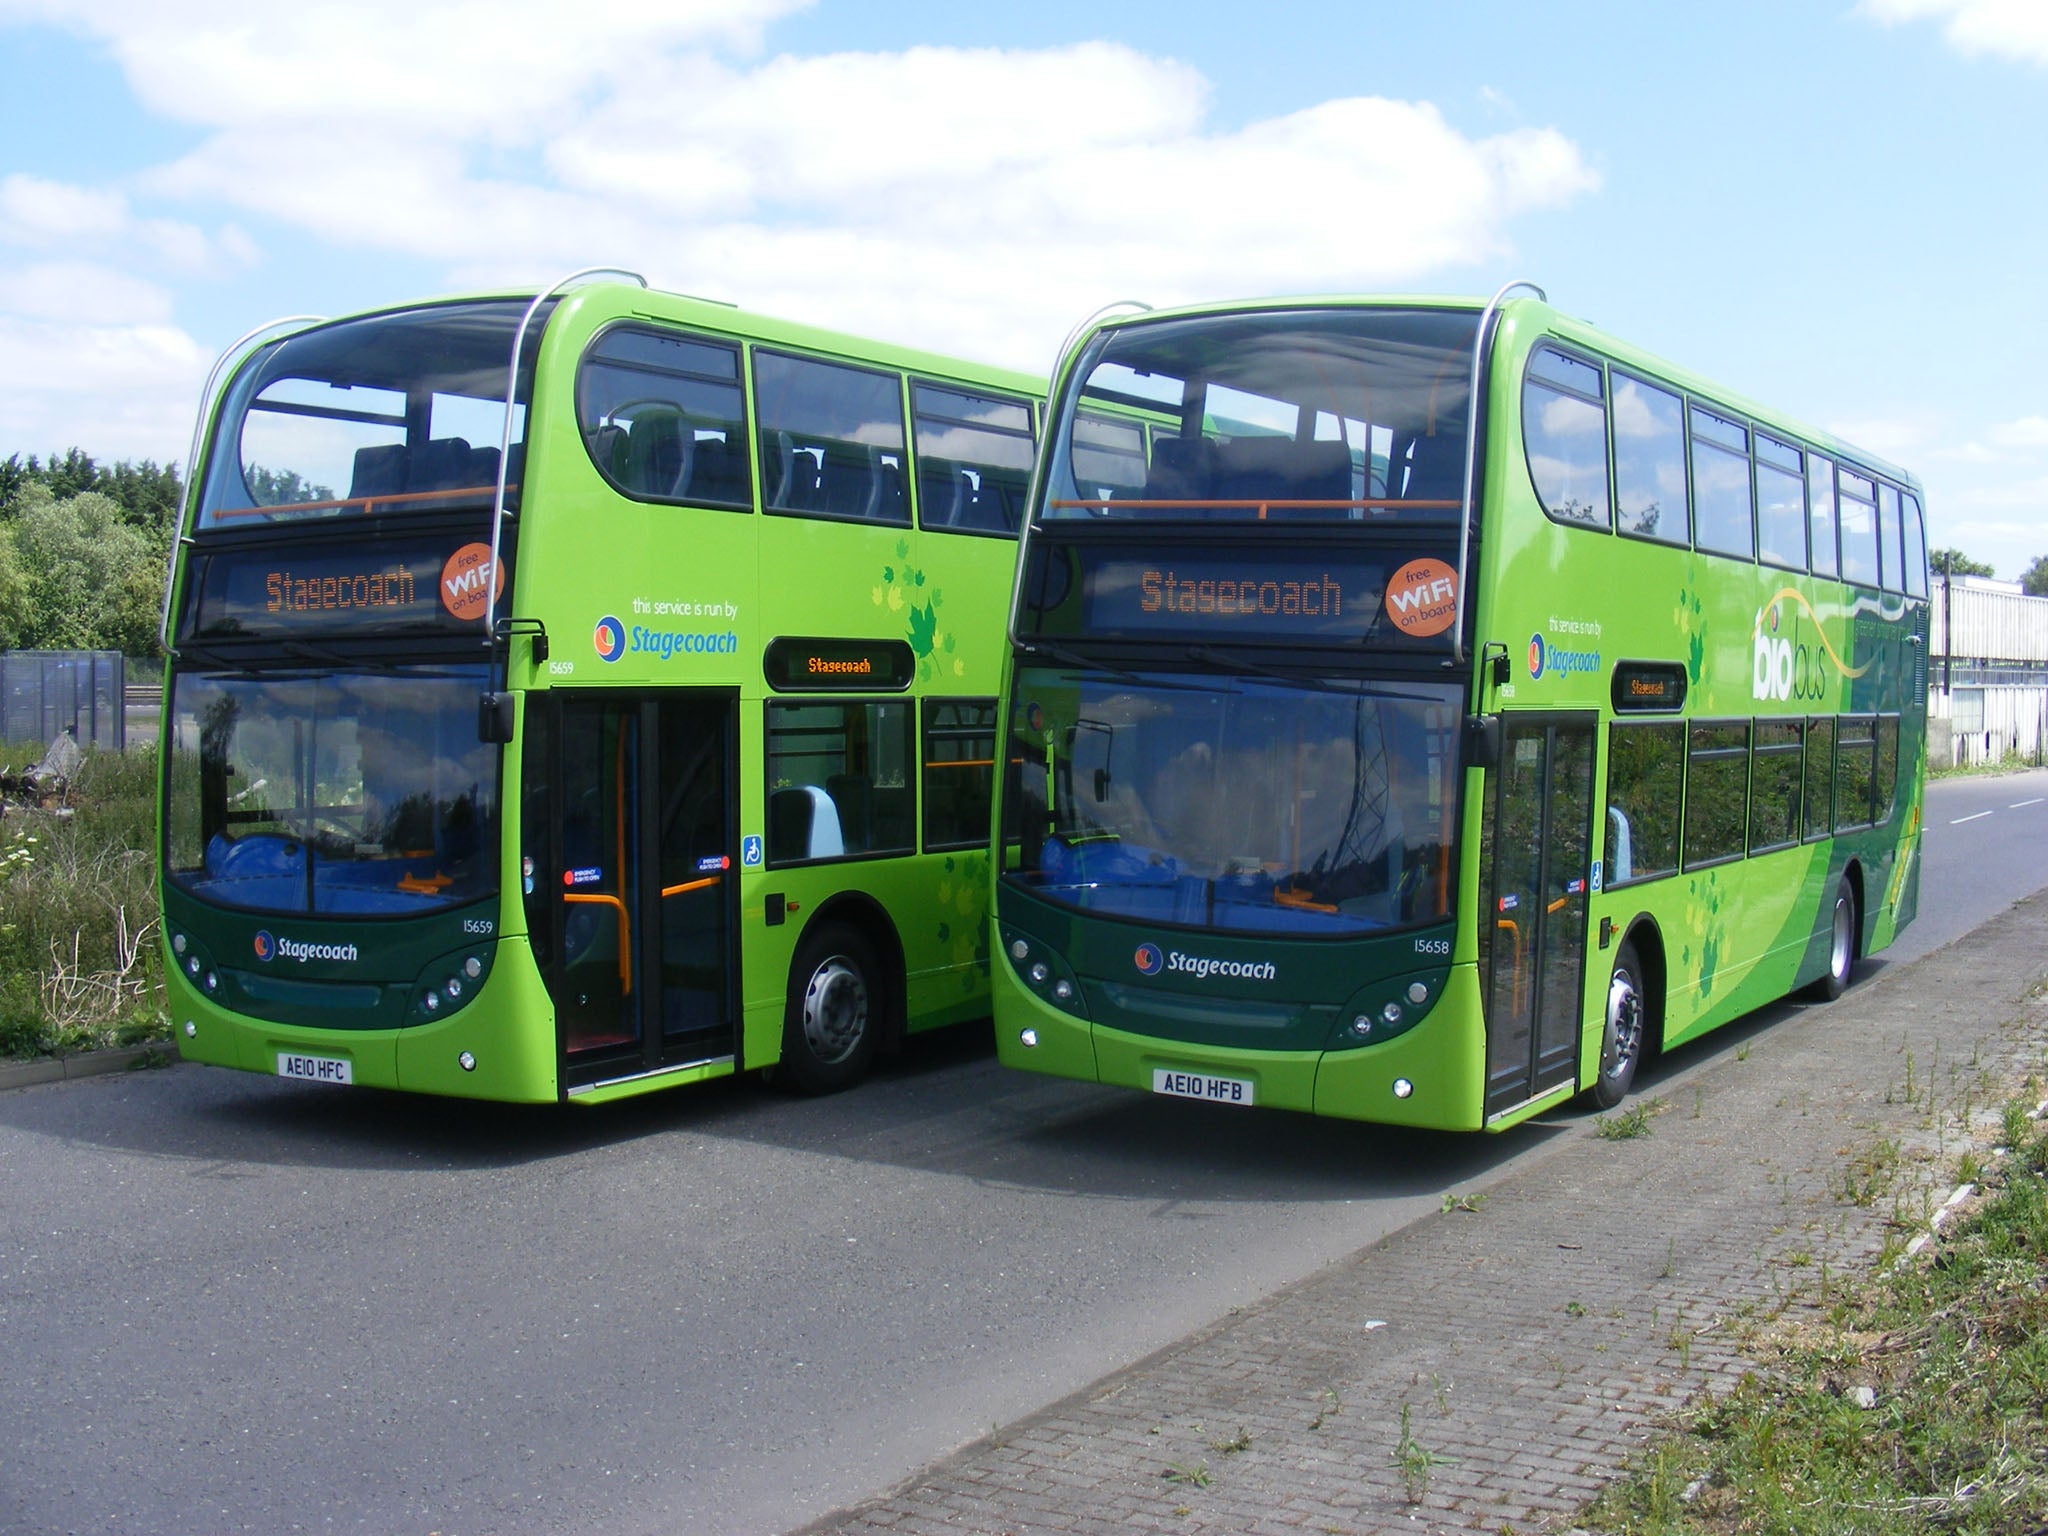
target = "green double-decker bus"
x: 579, y: 694
x: 1375, y: 756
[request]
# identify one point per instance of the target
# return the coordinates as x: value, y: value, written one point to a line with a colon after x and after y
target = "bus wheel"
x: 1621, y: 1040
x: 1841, y: 944
x: 828, y: 1031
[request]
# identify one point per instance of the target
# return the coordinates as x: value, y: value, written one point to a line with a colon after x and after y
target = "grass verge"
x: 1910, y: 1399
x: 80, y: 969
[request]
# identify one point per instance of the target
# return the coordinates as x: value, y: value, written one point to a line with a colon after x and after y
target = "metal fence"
x: 1987, y: 675
x: 44, y: 692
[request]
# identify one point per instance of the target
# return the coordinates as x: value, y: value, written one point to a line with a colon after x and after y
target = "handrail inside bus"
x: 342, y: 503
x: 215, y: 377
x: 1471, y: 450
x: 491, y: 582
x: 1045, y: 428
x: 1245, y: 503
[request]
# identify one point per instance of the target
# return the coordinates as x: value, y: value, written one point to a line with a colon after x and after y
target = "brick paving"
x: 1536, y: 1341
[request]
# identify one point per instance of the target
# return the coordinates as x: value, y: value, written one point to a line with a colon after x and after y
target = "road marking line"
x: 2018, y: 804
x: 1958, y: 821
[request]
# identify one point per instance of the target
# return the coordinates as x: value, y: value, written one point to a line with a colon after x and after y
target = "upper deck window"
x: 663, y: 417
x: 1857, y: 501
x: 1340, y: 414
x: 1916, y: 550
x: 1891, y: 538
x: 1564, y: 432
x: 1721, y: 507
x: 831, y: 439
x: 1780, y: 504
x: 1649, y: 460
x: 973, y: 459
x: 391, y: 413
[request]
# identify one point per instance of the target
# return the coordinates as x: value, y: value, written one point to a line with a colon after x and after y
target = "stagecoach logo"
x: 609, y: 638
x: 1544, y: 657
x: 269, y: 948
x: 1150, y: 962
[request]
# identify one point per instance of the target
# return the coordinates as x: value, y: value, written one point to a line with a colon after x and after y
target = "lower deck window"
x: 1716, y: 791
x: 839, y: 779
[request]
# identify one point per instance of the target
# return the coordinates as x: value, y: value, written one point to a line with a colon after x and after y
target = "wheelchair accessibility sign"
x: 750, y: 852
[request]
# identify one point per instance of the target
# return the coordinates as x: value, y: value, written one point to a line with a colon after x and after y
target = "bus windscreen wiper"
x: 1075, y: 660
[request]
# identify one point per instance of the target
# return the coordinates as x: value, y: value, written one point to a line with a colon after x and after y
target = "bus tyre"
x: 828, y: 1031
x: 1621, y: 1037
x: 1842, y: 935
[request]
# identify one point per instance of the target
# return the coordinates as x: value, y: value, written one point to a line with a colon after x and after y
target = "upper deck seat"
x: 657, y: 458
x: 796, y: 475
x: 942, y: 489
x: 440, y: 464
x: 1280, y: 469
x: 379, y: 471
x: 1428, y: 467
x: 848, y: 487
x: 718, y: 472
x: 1183, y: 469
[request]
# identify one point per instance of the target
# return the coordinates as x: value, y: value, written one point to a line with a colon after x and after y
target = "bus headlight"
x: 1045, y: 972
x: 450, y: 983
x: 1391, y: 1006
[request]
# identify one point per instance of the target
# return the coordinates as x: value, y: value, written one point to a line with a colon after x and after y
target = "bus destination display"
x: 364, y: 589
x: 1236, y: 593
x: 800, y: 665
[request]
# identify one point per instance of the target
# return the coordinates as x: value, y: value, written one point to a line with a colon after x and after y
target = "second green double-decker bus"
x: 1419, y: 710
x: 584, y: 693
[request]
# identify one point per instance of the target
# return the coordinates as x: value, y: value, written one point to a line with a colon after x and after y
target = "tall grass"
x: 80, y: 965
x: 1907, y: 1401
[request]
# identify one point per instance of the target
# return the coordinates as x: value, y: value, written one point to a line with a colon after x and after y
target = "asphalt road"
x: 229, y: 1303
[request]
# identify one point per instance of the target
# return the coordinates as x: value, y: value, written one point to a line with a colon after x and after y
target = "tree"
x: 93, y: 579
x: 1956, y: 563
x: 148, y: 496
x: 14, y: 595
x: 2034, y: 580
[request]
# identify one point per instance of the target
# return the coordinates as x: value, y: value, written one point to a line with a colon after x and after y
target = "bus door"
x: 645, y: 880
x: 1536, y: 853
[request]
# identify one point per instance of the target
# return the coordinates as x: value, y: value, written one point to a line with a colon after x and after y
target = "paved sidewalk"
x: 1534, y: 1341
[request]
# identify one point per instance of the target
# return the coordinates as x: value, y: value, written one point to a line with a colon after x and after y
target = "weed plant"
x: 1914, y: 1399
x: 80, y: 965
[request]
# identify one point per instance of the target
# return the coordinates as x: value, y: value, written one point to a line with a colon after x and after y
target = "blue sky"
x: 1836, y: 207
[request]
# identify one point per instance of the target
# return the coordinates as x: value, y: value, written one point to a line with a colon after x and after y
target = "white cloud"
x: 2029, y: 432
x: 36, y: 212
x: 976, y: 201
x: 71, y: 220
x: 65, y: 290
x: 118, y: 391
x: 2011, y: 29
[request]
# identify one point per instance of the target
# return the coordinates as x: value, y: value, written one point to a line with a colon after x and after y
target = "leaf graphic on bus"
x: 924, y: 624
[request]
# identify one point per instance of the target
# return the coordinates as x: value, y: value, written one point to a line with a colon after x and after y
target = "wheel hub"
x: 1624, y: 1034
x: 835, y: 1010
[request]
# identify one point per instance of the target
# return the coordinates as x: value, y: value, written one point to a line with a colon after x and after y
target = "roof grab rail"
x: 1038, y: 460
x: 491, y: 582
x: 215, y: 379
x: 1471, y: 449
